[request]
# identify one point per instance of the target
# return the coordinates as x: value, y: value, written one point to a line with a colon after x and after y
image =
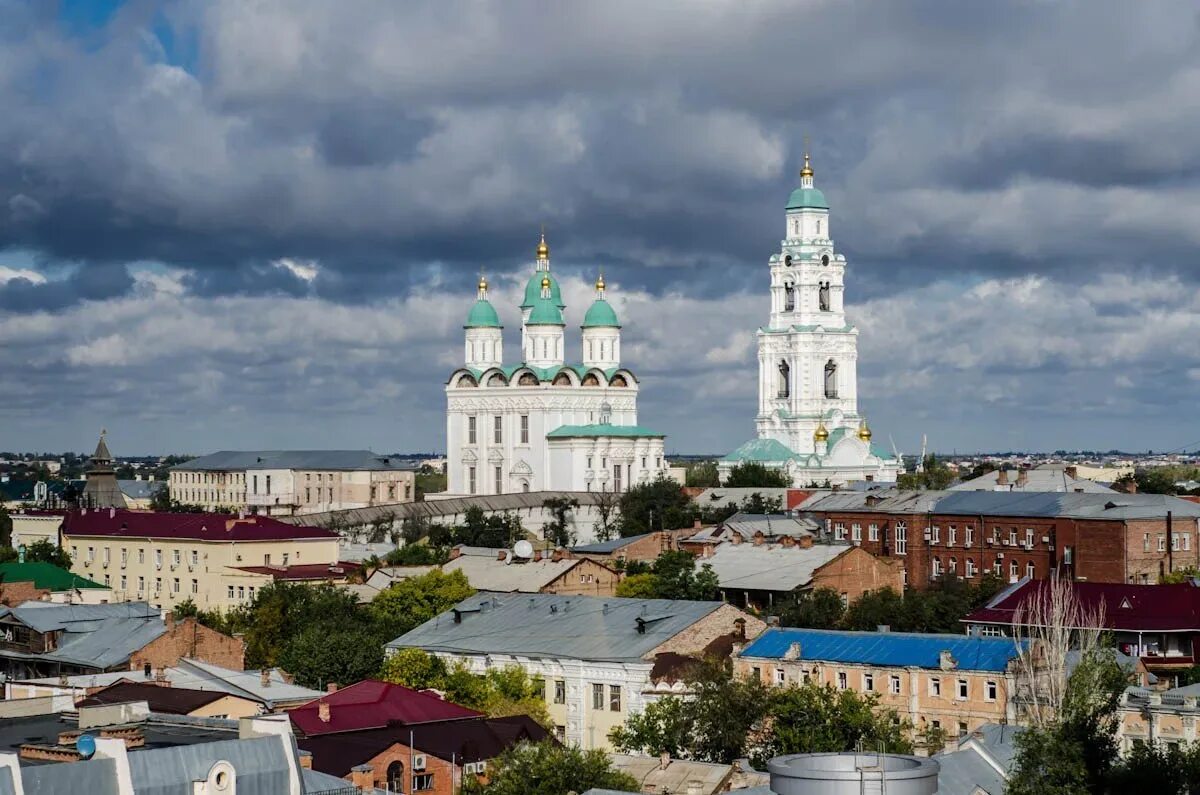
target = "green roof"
x: 533, y: 290
x: 45, y: 575
x: 483, y: 315
x: 827, y: 329
x: 599, y: 315
x: 806, y: 198
x: 763, y: 451
x: 545, y: 313
x: 625, y: 431
x: 546, y: 373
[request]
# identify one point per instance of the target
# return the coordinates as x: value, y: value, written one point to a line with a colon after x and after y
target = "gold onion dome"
x: 600, y: 283
x: 864, y: 432
x: 545, y: 282
x: 821, y: 434
x: 483, y: 284
x: 807, y: 170
x: 543, y: 250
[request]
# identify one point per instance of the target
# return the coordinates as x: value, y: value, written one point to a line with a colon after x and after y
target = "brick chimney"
x: 1022, y: 477
x: 1072, y: 472
x: 1002, y: 477
x: 331, y: 687
x: 736, y: 538
x: 363, y: 777
x: 323, y: 711
x: 805, y: 541
x: 306, y: 760
x: 265, y: 677
x: 788, y: 541
x: 759, y: 538
x: 664, y: 760
x: 501, y: 554
x: 455, y: 552
x: 696, y: 525
x: 558, y: 554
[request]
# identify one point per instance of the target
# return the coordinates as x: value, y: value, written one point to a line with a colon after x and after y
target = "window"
x: 1067, y: 556
x: 1029, y: 570
x: 141, y: 556
x: 894, y: 685
x: 91, y: 554
x: 195, y: 558
x: 124, y: 583
x: 616, y: 477
x: 560, y: 691
x: 498, y: 473
x: 995, y: 535
x: 998, y: 569
x: 1012, y: 571
x: 158, y: 585
x: 141, y: 584
x: 107, y: 580
x: 1162, y: 544
x: 498, y: 429
x: 598, y: 696
x: 952, y: 566
x: 989, y: 690
x: 780, y: 676
x: 856, y: 532
x: 935, y: 687
x: 471, y: 430
x: 285, y: 557
x: 868, y: 682
x: 1012, y: 537
x: 969, y: 566
x: 175, y: 585
x: 108, y: 555
x: 560, y: 732
x: 842, y: 684
x: 254, y: 484
x: 124, y: 556
x: 872, y: 532
x: 268, y: 484
x: 901, y: 538
x: 471, y: 480
x: 250, y: 592
x: 1145, y: 542
x: 935, y: 535
x: 524, y: 429
x: 176, y: 557
x: 614, y: 698
x: 962, y: 688
x: 831, y: 384
x: 1187, y: 541
x: 968, y: 535
x: 937, y: 567
x: 422, y: 782
x: 241, y: 593
x: 195, y: 586
x: 1029, y: 538
x: 839, y: 531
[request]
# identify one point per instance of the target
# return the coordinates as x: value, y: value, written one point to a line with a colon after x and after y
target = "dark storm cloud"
x: 95, y: 283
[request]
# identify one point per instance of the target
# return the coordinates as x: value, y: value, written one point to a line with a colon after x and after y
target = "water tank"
x: 853, y: 774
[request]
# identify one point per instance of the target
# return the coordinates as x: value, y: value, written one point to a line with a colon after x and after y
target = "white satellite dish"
x: 523, y: 549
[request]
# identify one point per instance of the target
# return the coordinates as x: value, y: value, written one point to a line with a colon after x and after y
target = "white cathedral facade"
x: 543, y: 424
x: 808, y: 423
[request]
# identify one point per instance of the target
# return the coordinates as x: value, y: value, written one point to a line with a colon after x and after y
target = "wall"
x: 856, y: 571
x: 586, y: 578
x: 189, y: 638
x: 445, y: 775
x: 721, y: 621
x: 30, y: 528
x: 228, y: 707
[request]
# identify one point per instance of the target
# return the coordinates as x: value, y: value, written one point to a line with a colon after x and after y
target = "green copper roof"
x: 763, y: 451
x: 805, y: 198
x: 545, y: 313
x: 624, y: 431
x: 600, y: 314
x: 483, y: 315
x: 45, y: 575
x: 827, y: 329
x: 545, y: 374
x: 533, y: 291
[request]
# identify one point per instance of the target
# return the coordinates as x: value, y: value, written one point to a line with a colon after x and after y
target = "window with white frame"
x: 969, y: 568
x: 1145, y: 542
x: 935, y: 687
x: 873, y: 532
x: 1162, y: 543
x: 998, y: 569
x: 524, y: 429
x: 952, y: 566
x: 937, y: 567
x: 1012, y: 570
x: 1029, y: 570
x: 1029, y: 537
x: 894, y: 685
x: 839, y: 531
x: 868, y: 682
x: 856, y: 532
x: 968, y: 535
x: 990, y: 689
x: 498, y: 429
x: 470, y: 430
x: 901, y: 538
x: 780, y: 676
x: 1012, y: 536
x: 842, y: 680
x: 962, y: 689
x: 935, y: 535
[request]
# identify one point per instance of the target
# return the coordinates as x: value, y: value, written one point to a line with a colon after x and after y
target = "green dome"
x: 533, y: 291
x: 805, y: 198
x: 545, y: 313
x: 600, y: 314
x: 483, y: 315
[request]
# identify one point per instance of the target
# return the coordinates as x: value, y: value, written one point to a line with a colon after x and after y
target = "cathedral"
x: 808, y: 423
x: 544, y: 424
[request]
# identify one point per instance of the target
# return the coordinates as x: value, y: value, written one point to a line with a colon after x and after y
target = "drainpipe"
x: 1170, y: 544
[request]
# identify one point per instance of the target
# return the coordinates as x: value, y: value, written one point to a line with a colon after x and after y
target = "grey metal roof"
x: 436, y: 509
x: 1110, y: 505
x: 140, y: 489
x: 769, y: 567
x: 748, y: 524
x: 95, y: 636
x: 1035, y: 480
x: 552, y: 625
x: 206, y: 676
x: 46, y: 616
x: 719, y: 495
x: 650, y: 773
x: 491, y: 574
x: 965, y: 772
x: 95, y: 777
x: 611, y: 545
x: 260, y: 765
x: 292, y: 459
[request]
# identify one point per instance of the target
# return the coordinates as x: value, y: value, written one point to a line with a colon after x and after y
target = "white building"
x: 808, y: 422
x: 543, y: 424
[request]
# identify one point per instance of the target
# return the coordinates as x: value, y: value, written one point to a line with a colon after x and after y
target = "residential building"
x: 950, y: 682
x: 645, y: 547
x: 503, y: 571
x: 292, y: 482
x: 761, y: 527
x: 542, y: 424
x: 1039, y: 479
x: 215, y: 560
x: 808, y: 423
x: 1167, y: 717
x: 171, y: 700
x: 30, y: 526
x: 596, y: 655
x: 387, y: 736
x: 1160, y: 624
x: 39, y: 639
x: 762, y: 576
x: 1106, y: 537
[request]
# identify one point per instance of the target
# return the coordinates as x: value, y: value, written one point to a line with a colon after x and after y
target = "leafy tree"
x: 882, y: 606
x: 673, y: 575
x: 607, y: 523
x: 549, y: 768
x: 6, y: 526
x: 414, y: 668
x: 638, y: 586
x: 281, y: 611
x: 482, y: 530
x: 758, y: 504
x: 657, y: 505
x: 558, y: 530
x: 498, y: 693
x: 703, y: 474
x: 751, y: 474
x: 813, y: 718
x: 820, y: 608
x: 8, y: 555
x: 934, y: 475
x: 429, y: 481
x: 410, y: 603
x: 417, y: 555
x: 322, y: 654
x: 45, y: 551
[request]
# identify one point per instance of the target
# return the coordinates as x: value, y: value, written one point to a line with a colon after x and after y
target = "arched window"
x: 785, y: 381
x: 789, y: 297
x: 823, y: 296
x: 525, y: 486
x: 618, y: 380
x: 787, y: 261
x: 591, y: 380
x: 497, y: 380
x: 562, y: 379
x: 467, y: 380
x: 818, y: 228
x: 824, y: 259
x: 831, y: 390
x: 395, y: 777
x: 527, y: 379
x: 796, y: 226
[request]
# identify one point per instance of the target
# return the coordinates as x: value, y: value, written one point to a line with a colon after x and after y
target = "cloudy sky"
x: 254, y: 224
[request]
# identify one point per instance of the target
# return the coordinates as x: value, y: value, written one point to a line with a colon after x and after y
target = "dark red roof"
x: 305, y: 571
x: 169, y: 700
x: 371, y: 704
x: 197, y: 526
x: 1126, y: 607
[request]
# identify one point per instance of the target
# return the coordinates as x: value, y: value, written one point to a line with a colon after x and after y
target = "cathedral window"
x: 787, y: 261
x: 785, y: 381
x: 467, y: 380
x: 591, y: 380
x: 498, y: 429
x: 524, y: 429
x: 831, y: 385
x: 789, y: 298
x: 823, y: 296
x: 528, y: 379
x: 471, y: 480
x: 796, y: 227
x: 616, y: 477
x: 618, y: 380
x: 496, y: 380
x: 818, y: 228
x: 824, y: 259
x: 470, y: 440
x: 499, y: 474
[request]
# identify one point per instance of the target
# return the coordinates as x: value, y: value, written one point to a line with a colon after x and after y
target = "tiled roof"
x: 900, y: 649
x: 192, y: 526
x: 167, y: 700
x: 45, y: 575
x: 372, y: 704
x: 1126, y: 607
x: 341, y: 460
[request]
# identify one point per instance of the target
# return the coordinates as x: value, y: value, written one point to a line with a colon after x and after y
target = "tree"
x: 558, y: 530
x: 323, y: 654
x: 751, y: 474
x: 933, y: 475
x: 673, y: 575
x: 638, y: 586
x: 548, y: 768
x: 6, y: 526
x: 606, y: 504
x: 414, y: 668
x: 820, y: 608
x: 281, y: 611
x: 45, y: 551
x: 812, y: 718
x: 758, y: 504
x: 483, y: 530
x: 657, y: 505
x: 703, y: 474
x: 873, y: 608
x: 498, y: 693
x: 417, y: 555
x: 409, y: 603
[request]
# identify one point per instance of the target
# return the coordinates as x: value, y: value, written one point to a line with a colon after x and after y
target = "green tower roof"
x: 545, y: 313
x: 806, y: 198
x: 600, y: 314
x: 533, y: 291
x: 483, y: 315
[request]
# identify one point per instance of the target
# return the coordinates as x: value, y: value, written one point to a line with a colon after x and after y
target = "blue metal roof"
x: 900, y: 649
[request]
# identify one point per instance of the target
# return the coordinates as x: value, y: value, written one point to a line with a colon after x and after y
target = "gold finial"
x: 807, y: 170
x: 600, y: 282
x: 821, y: 434
x: 543, y: 250
x: 864, y: 432
x: 483, y: 285
x: 545, y: 282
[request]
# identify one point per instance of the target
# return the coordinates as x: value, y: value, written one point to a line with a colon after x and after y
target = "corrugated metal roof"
x: 748, y: 524
x: 260, y: 764
x: 769, y: 567
x: 141, y: 489
x: 1035, y: 480
x: 902, y: 649
x: 436, y: 509
x: 109, y: 644
x: 491, y: 574
x: 1110, y: 505
x: 343, y: 460
x: 552, y: 625
x: 94, y: 776
x: 611, y: 545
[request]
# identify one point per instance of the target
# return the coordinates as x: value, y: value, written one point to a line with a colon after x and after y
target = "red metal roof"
x: 372, y: 704
x: 1126, y: 607
x: 192, y: 526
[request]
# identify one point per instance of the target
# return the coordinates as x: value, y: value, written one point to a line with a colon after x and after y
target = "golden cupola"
x: 543, y: 250
x: 821, y: 434
x: 864, y: 432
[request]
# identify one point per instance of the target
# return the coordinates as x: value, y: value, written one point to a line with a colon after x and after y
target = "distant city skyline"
x: 235, y: 226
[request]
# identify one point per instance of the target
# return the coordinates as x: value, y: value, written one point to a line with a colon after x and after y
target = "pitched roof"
x: 141, y: 489
x: 372, y: 704
x: 342, y: 460
x: 770, y: 567
x: 437, y: 509
x: 1046, y: 504
x: 748, y: 524
x: 603, y: 429
x: 168, y: 700
x: 45, y: 575
x: 1035, y: 480
x: 763, y: 451
x: 491, y: 574
x: 611, y: 545
x: 554, y: 625
x: 903, y: 649
x: 190, y: 526
x: 1128, y: 607
x: 304, y: 571
x: 93, y: 636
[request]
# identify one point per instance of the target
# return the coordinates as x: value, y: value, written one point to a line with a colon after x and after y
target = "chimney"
x: 537, y: 555
x: 883, y: 628
x: 169, y: 621
x: 664, y: 759
x: 1072, y: 472
x: 696, y: 525
x: 793, y: 652
x: 946, y: 660
x: 306, y: 760
x: 265, y: 677
x: 706, y: 551
x: 558, y: 554
x: 736, y: 538
x: 363, y: 777
x: 695, y: 788
x: 331, y: 687
x: 1002, y: 477
x: 759, y: 538
x: 455, y: 552
x: 1022, y: 477
x: 805, y: 541
x: 788, y: 541
x: 112, y: 513
x: 501, y: 554
x: 323, y: 711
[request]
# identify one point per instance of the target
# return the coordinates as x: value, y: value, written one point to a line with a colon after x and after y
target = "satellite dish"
x: 523, y: 549
x: 86, y: 745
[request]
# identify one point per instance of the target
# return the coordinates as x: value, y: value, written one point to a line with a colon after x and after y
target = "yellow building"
x: 218, y: 561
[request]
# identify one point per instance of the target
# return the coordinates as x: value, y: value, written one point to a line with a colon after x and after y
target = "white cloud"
x: 7, y: 274
x: 305, y: 270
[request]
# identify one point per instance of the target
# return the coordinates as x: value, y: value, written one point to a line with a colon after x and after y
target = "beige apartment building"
x: 954, y: 683
x: 292, y: 482
x: 218, y: 561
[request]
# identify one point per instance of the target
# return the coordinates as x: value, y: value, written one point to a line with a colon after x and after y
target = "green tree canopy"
x: 703, y: 474
x: 45, y: 551
x: 558, y: 530
x: 324, y: 653
x: 673, y: 575
x: 812, y: 718
x: 548, y: 768
x: 498, y: 693
x: 657, y: 505
x: 751, y: 474
x: 934, y: 475
x: 411, y: 602
x: 820, y: 608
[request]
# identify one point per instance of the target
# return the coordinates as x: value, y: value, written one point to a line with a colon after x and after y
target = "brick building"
x: 502, y: 571
x: 1107, y: 537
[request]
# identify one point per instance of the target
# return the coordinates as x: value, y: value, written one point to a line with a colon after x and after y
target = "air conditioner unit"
x: 928, y: 534
x: 1045, y: 539
x: 419, y: 762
